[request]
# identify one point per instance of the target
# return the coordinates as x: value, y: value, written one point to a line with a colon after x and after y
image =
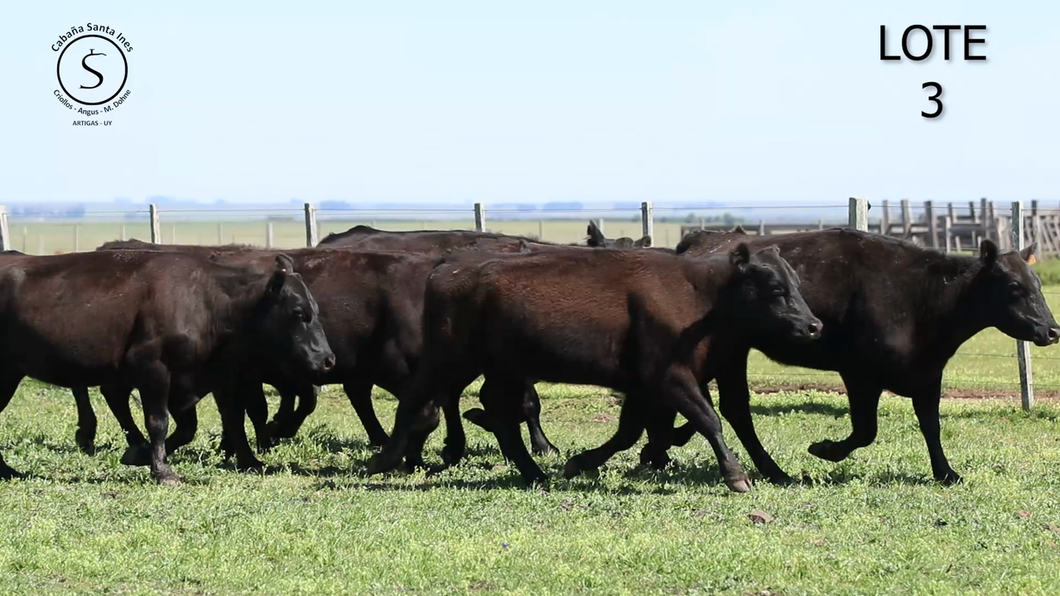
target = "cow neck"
x: 948, y: 317
x: 710, y: 278
x: 241, y: 304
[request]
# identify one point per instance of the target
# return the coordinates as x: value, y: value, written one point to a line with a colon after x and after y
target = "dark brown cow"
x: 639, y: 322
x: 894, y: 314
x: 172, y: 326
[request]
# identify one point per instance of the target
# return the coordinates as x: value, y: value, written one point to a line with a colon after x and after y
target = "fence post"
x: 885, y: 218
x: 77, y: 238
x: 124, y: 236
x: 858, y: 215
x: 268, y: 234
x: 1036, y: 223
x: 947, y: 231
x: 933, y: 223
x: 311, y: 238
x: 647, y: 221
x: 5, y: 232
x: 156, y: 226
x: 480, y: 217
x: 1023, y: 349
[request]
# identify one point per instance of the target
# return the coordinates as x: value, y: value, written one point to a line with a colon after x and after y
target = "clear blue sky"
x: 537, y: 101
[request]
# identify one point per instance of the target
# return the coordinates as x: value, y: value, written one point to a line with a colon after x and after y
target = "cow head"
x: 1008, y: 295
x: 290, y: 328
x: 598, y: 240
x: 766, y: 299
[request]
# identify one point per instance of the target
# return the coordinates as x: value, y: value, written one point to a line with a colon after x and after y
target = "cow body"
x: 169, y: 325
x: 632, y: 321
x: 894, y: 314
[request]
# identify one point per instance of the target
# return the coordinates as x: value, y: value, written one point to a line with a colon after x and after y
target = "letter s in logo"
x: 85, y: 65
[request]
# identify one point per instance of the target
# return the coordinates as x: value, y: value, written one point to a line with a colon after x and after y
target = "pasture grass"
x: 314, y: 524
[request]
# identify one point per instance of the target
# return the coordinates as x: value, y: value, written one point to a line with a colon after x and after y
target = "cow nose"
x: 329, y: 363
x: 814, y: 329
x: 1054, y: 335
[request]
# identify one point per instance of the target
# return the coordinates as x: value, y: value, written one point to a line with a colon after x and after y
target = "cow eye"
x: 298, y: 314
x: 777, y: 290
x: 1015, y: 290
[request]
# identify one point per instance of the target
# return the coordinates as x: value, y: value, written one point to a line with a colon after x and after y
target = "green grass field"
x: 313, y: 523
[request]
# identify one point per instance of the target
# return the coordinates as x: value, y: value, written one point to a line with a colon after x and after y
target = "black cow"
x: 173, y: 326
x: 598, y: 240
x: 639, y: 322
x: 894, y: 314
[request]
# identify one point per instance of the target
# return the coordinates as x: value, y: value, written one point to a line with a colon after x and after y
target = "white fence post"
x: 156, y: 226
x: 647, y: 221
x: 858, y: 214
x: 480, y: 217
x: 5, y: 232
x: 268, y: 234
x: 1023, y: 349
x: 311, y: 237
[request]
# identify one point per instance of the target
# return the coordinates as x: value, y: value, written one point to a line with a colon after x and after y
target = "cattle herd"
x: 423, y: 314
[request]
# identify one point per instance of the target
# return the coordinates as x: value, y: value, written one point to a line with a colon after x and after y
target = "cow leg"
x: 187, y: 423
x: 85, y: 436
x: 660, y: 427
x: 288, y: 419
x: 138, y: 452
x: 864, y: 401
x: 427, y: 421
x: 252, y: 396
x: 927, y: 413
x: 234, y: 438
x: 360, y: 396
x: 539, y: 443
x: 455, y: 439
x: 155, y: 393
x: 505, y: 413
x: 735, y: 399
x: 630, y: 428
x: 8, y: 384
x: 681, y: 390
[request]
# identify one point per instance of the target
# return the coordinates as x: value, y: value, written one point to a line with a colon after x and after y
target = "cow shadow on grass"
x: 823, y: 409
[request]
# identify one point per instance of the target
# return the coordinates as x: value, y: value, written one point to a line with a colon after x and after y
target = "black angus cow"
x: 172, y: 326
x: 371, y: 308
x: 894, y: 314
x: 639, y: 322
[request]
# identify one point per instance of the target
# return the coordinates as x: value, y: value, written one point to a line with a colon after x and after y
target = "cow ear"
x: 644, y: 242
x: 283, y: 267
x: 596, y: 237
x: 988, y: 252
x: 740, y: 255
x: 738, y: 230
x: 1027, y: 254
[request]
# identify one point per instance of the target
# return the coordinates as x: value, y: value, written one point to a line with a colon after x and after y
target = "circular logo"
x: 92, y: 70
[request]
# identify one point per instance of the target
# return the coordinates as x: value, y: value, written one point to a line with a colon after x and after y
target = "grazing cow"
x: 894, y: 314
x: 172, y: 326
x: 634, y: 321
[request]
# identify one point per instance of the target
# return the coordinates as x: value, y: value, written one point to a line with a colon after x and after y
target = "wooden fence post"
x: 858, y: 214
x: 1023, y: 349
x: 311, y: 237
x: 156, y: 226
x: 77, y: 238
x: 885, y: 218
x: 480, y: 217
x: 947, y: 231
x: 124, y: 236
x: 647, y: 221
x: 268, y: 234
x: 907, y: 219
x: 1036, y: 224
x: 5, y: 231
x: 933, y: 224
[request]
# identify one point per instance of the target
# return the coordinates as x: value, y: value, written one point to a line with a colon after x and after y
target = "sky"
x: 540, y: 101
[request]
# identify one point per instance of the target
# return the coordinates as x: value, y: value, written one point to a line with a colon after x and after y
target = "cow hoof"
x: 741, y: 484
x: 828, y: 450
x: 656, y: 460
x: 415, y: 463
x: 573, y: 467
x: 950, y: 478
x: 251, y: 464
x: 544, y: 449
x: 136, y: 455
x: 480, y: 418
x: 85, y: 442
x: 166, y: 478
x: 451, y: 455
x: 379, y: 464
x: 7, y: 473
x: 781, y: 479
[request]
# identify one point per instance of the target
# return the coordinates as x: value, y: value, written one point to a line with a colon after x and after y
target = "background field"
x: 314, y: 524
